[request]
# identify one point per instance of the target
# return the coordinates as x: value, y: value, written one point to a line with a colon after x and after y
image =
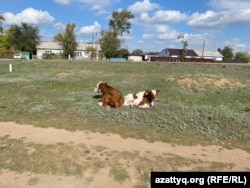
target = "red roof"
x: 177, y: 52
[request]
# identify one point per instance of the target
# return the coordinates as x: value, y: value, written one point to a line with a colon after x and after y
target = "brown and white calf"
x: 143, y: 99
x: 111, y: 96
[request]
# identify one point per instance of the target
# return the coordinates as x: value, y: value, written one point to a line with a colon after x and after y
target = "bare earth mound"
x: 204, y: 82
x: 236, y: 159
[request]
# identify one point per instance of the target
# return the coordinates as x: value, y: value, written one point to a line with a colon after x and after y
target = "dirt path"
x: 239, y: 158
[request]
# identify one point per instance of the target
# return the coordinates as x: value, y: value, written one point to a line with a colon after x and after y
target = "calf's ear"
x: 99, y: 83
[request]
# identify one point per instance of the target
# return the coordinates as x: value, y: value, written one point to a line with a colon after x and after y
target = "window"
x: 78, y: 54
x: 48, y: 52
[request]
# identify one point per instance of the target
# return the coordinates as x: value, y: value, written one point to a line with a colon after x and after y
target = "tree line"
x: 26, y: 37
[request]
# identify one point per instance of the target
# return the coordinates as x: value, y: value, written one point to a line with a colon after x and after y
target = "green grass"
x: 189, y: 107
x: 201, y: 104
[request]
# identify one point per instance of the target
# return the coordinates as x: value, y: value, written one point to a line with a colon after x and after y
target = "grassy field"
x: 204, y: 102
x: 198, y: 103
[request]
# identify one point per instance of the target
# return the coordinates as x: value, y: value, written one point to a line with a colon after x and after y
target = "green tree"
x: 120, y: 23
x: 123, y: 52
x: 68, y: 40
x: 4, y: 44
x: 184, y: 45
x: 137, y: 52
x: 1, y: 21
x: 109, y: 43
x: 241, y: 57
x: 227, y: 52
x: 5, y: 48
x: 24, y: 37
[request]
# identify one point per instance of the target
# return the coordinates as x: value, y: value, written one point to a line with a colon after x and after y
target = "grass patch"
x: 33, y: 181
x: 119, y: 174
x: 204, y: 101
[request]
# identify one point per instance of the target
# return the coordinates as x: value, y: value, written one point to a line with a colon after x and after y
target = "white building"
x: 214, y: 55
x: 82, y: 50
x: 134, y: 58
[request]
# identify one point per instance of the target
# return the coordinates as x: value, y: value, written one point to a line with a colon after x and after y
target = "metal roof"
x: 49, y: 45
x: 58, y: 46
x: 207, y: 53
x: 178, y: 52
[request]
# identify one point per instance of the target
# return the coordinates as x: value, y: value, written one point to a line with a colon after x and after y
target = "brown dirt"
x: 203, y: 82
x: 80, y: 72
x: 10, y: 179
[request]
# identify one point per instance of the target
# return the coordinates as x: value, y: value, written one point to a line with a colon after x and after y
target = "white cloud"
x: 169, y: 16
x: 162, y: 32
x: 163, y: 17
x: 99, y: 10
x: 207, y: 19
x: 94, y: 5
x: 226, y: 13
x: 144, y: 6
x: 148, y: 36
x: 30, y: 16
x: 63, y: 2
x: 90, y: 29
x: 196, y: 40
x: 144, y: 17
x: 60, y: 26
x: 237, y: 44
x: 88, y: 2
x: 229, y: 4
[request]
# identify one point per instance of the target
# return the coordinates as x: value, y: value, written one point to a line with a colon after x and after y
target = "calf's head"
x: 97, y: 89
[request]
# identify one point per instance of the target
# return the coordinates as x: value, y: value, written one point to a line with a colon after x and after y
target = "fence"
x: 176, y: 59
x: 7, y: 54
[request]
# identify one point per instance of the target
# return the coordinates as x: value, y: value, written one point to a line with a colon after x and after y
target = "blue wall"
x: 117, y: 59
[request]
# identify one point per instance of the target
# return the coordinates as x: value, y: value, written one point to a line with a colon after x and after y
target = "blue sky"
x: 156, y: 25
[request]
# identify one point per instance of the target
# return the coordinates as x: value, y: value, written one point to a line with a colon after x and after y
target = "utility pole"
x: 94, y: 33
x: 92, y: 40
x: 92, y: 50
x: 203, y: 47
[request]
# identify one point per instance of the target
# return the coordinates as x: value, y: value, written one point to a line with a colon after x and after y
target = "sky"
x: 157, y: 23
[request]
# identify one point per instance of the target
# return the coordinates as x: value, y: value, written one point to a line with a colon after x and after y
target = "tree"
x: 68, y: 40
x: 1, y: 21
x: 24, y: 37
x: 137, y: 52
x: 123, y: 52
x: 184, y: 45
x: 5, y: 48
x: 120, y: 23
x: 227, y: 52
x: 109, y: 43
x: 4, y: 44
x: 241, y: 57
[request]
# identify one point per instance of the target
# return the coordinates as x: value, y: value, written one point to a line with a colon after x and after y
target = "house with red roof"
x: 176, y: 53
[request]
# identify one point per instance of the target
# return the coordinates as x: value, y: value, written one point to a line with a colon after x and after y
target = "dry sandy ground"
x: 11, y: 179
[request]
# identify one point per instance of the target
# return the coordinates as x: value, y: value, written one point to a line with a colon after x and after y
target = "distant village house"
x: 171, y: 54
x: 82, y: 50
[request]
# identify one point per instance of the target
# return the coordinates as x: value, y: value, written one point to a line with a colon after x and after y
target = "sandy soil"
x: 11, y: 179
